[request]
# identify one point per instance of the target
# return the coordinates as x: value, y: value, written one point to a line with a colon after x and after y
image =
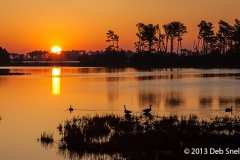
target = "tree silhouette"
x: 37, y: 55
x: 224, y: 35
x: 111, y: 37
x: 206, y: 34
x: 139, y: 45
x: 160, y: 44
x: 174, y: 30
x: 236, y: 36
x: 4, y: 56
x: 147, y: 35
x: 229, y: 37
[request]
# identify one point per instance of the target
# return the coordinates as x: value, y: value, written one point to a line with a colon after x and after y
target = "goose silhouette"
x: 70, y: 108
x: 229, y: 109
x: 126, y: 111
x: 148, y: 109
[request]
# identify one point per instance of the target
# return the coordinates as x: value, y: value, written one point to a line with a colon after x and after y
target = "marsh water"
x: 38, y: 101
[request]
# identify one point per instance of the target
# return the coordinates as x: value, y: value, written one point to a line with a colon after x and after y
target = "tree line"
x: 163, y: 46
x: 157, y: 46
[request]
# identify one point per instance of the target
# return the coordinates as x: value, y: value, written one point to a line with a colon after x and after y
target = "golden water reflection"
x: 56, y: 72
x: 105, y: 90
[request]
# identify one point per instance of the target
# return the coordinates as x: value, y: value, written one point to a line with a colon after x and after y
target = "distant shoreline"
x: 113, y: 66
x: 14, y: 74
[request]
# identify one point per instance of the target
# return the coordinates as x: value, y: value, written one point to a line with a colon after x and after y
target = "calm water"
x: 31, y: 104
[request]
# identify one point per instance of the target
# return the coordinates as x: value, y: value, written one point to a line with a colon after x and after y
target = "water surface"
x: 31, y: 104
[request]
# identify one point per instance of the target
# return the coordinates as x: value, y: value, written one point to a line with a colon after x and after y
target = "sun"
x: 56, y: 49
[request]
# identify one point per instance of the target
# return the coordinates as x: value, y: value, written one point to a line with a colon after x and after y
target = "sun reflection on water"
x: 56, y: 72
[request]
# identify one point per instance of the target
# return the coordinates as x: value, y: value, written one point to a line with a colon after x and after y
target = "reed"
x: 46, y: 140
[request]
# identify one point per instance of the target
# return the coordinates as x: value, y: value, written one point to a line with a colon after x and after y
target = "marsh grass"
x: 46, y: 140
x: 147, y: 136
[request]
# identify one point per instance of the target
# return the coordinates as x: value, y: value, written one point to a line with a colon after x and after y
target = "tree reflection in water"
x: 144, y: 137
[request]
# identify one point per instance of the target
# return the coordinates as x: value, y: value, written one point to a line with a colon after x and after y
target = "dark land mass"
x: 115, y: 66
x: 137, y: 60
x: 6, y: 72
x: 14, y: 74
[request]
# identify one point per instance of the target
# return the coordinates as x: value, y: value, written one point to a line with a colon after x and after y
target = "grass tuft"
x: 46, y: 140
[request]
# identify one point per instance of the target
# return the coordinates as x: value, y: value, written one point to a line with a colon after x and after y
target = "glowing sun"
x: 56, y: 49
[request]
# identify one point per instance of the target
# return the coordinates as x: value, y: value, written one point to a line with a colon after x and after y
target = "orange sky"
x: 29, y: 25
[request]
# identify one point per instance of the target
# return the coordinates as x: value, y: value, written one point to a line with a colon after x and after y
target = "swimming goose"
x: 70, y: 109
